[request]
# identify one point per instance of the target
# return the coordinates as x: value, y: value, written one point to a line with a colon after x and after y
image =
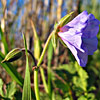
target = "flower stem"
x: 23, y: 49
x: 44, y: 80
x: 38, y: 64
x: 36, y: 84
x: 37, y: 57
x: 44, y: 50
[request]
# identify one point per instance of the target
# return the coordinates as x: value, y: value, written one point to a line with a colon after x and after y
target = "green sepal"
x: 54, y: 40
x: 37, y: 47
x: 13, y: 55
x: 55, y: 25
x: 37, y: 43
x: 62, y: 42
x: 63, y: 21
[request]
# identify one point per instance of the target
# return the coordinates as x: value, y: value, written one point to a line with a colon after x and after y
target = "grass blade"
x: 27, y: 87
x: 11, y: 70
x: 4, y: 41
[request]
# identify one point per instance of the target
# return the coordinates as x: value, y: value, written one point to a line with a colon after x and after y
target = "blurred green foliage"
x: 9, y: 92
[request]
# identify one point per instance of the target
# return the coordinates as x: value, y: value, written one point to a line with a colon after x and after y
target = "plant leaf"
x: 4, y: 41
x: 27, y: 87
x: 10, y: 90
x: 11, y: 71
x: 1, y: 87
x: 80, y: 81
x: 37, y: 43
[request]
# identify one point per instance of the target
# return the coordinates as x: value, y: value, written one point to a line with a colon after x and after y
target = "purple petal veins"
x: 80, y: 36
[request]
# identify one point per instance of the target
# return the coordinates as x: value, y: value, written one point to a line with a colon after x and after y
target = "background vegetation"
x: 66, y: 80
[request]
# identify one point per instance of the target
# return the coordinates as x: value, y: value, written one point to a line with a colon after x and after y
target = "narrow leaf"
x: 1, y: 87
x: 4, y: 41
x: 27, y: 87
x: 37, y: 43
x: 11, y: 71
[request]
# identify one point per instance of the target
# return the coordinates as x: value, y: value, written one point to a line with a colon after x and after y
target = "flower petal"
x: 78, y: 27
x: 81, y: 18
x: 81, y: 57
x: 91, y: 28
x: 80, y: 36
x: 73, y: 38
x: 90, y: 44
x: 78, y: 22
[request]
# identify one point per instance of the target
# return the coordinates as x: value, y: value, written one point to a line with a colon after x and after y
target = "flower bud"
x: 13, y: 55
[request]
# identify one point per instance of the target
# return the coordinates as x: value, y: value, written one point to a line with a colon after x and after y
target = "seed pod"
x: 13, y: 55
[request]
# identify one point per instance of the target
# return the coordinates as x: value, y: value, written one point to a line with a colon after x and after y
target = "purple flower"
x: 80, y: 36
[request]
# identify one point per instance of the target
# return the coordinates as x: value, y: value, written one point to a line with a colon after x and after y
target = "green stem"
x: 41, y: 69
x: 44, y: 80
x: 44, y: 50
x: 50, y: 55
x: 38, y: 64
x: 23, y: 49
x: 49, y: 81
x: 36, y: 84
